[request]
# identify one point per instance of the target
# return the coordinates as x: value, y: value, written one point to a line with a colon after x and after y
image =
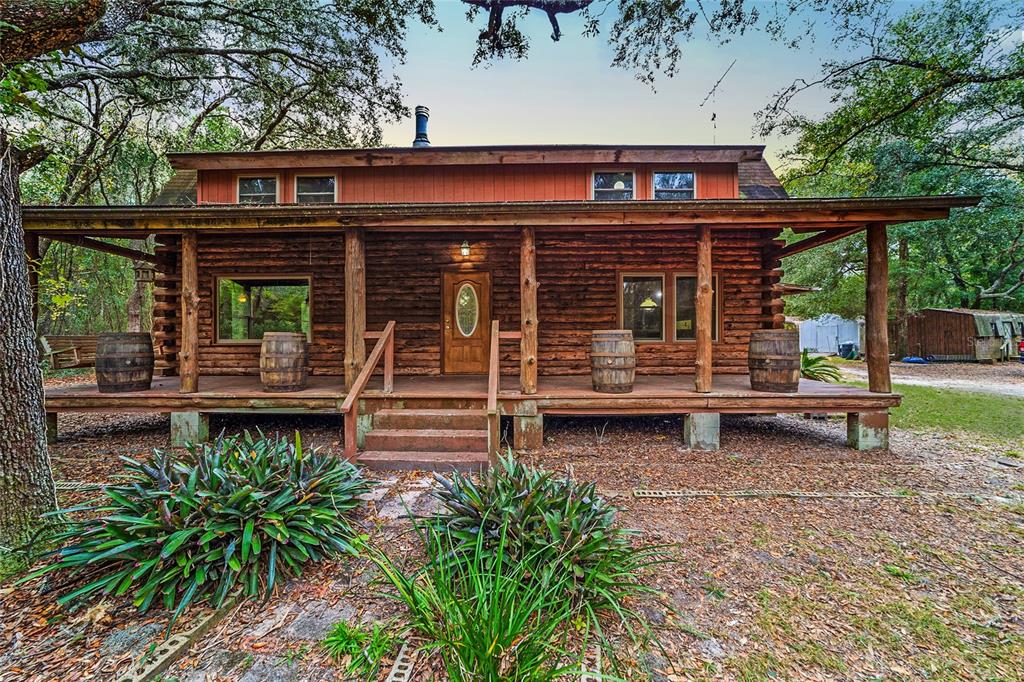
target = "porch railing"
x: 385, y: 347
x: 493, y: 379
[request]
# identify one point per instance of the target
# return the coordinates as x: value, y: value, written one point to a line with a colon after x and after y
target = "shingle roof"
x: 180, y: 190
x: 758, y: 181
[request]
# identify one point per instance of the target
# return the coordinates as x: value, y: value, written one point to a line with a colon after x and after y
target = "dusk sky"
x: 566, y: 92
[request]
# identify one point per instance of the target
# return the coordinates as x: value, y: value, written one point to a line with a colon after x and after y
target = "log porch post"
x: 702, y: 364
x: 528, y: 305
x: 188, y: 358
x: 355, y: 304
x: 877, y: 333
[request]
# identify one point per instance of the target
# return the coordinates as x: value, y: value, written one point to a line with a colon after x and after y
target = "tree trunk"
x: 26, y: 483
x: 901, y: 299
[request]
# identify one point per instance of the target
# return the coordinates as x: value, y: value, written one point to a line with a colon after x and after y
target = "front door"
x: 466, y: 322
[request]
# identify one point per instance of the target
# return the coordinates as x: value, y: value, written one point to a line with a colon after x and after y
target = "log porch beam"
x: 817, y: 240
x: 188, y: 356
x: 702, y: 376
x: 528, y: 314
x: 355, y: 304
x: 876, y: 313
x: 114, y: 249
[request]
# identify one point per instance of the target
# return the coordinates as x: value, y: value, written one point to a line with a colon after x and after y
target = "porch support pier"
x: 870, y: 430
x: 701, y: 430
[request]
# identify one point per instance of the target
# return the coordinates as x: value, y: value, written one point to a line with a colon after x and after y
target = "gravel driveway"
x: 1001, y: 379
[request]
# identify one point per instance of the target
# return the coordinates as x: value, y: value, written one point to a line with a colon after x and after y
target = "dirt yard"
x: 926, y: 581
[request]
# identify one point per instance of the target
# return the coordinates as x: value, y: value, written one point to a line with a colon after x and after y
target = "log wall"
x: 427, y: 184
x: 577, y: 274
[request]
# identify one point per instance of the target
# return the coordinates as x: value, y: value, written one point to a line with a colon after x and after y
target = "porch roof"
x: 803, y: 215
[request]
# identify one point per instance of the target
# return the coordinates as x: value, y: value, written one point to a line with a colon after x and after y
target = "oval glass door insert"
x: 467, y: 309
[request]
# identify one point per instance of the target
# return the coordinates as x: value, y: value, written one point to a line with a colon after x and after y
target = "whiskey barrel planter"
x: 124, y: 362
x: 283, y: 361
x: 774, y: 360
x: 612, y: 360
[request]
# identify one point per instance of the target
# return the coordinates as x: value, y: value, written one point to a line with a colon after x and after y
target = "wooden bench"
x: 67, y: 352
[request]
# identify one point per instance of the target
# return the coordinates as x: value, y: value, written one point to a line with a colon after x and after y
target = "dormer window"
x: 315, y: 189
x: 674, y: 185
x: 257, y: 190
x: 613, y: 185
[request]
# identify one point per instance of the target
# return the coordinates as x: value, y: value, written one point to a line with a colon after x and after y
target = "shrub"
x: 554, y: 522
x: 818, y: 368
x: 240, y: 512
x: 488, y: 616
x: 364, y: 649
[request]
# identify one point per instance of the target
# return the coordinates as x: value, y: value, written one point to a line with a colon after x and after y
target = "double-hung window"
x: 643, y: 306
x: 315, y: 189
x: 257, y: 190
x: 613, y: 185
x: 686, y: 308
x: 674, y: 185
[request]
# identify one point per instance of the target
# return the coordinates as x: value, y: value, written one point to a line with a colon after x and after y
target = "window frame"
x: 295, y: 184
x: 218, y: 276
x: 249, y: 176
x: 716, y: 332
x: 622, y: 275
x: 593, y: 176
x: 675, y: 170
x: 669, y: 304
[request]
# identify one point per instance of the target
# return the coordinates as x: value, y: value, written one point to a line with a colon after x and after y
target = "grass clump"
x: 241, y: 512
x: 488, y: 616
x: 361, y: 650
x: 520, y: 567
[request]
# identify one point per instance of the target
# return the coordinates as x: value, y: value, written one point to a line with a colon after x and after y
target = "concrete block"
x: 528, y: 433
x: 701, y: 431
x: 867, y: 430
x: 189, y: 427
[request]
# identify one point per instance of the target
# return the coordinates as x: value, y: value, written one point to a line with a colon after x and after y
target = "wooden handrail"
x: 385, y: 347
x: 493, y: 379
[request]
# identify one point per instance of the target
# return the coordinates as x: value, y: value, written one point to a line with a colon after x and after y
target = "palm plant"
x: 818, y: 368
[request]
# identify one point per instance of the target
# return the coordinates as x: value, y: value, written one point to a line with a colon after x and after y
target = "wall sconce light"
x: 464, y: 249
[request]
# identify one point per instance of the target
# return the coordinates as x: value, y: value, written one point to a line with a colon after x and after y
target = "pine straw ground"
x: 914, y: 587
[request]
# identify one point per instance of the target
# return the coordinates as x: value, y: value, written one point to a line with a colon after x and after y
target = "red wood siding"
x: 427, y: 184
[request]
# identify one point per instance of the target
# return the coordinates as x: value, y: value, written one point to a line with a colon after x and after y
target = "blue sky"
x: 566, y: 92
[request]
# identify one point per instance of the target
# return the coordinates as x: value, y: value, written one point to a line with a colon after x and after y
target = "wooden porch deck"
x: 555, y: 395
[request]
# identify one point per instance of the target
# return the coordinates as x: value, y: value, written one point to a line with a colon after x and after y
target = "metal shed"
x: 825, y: 333
x: 961, y: 334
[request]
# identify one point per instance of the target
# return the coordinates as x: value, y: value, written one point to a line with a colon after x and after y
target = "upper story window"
x: 315, y: 189
x: 674, y: 185
x: 257, y: 190
x: 613, y: 186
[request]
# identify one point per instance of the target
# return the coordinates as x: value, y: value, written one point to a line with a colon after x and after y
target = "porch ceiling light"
x: 464, y: 249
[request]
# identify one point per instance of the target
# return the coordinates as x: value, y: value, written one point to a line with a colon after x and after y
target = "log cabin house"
x: 443, y: 288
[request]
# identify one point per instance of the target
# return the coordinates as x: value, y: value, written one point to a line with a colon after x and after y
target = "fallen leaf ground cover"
x: 927, y: 585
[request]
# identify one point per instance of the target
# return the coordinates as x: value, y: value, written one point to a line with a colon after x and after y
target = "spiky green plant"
x: 818, y: 368
x: 363, y: 648
x: 489, y: 617
x: 556, y: 521
x: 242, y: 512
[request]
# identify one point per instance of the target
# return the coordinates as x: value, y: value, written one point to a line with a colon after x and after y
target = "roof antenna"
x: 712, y: 95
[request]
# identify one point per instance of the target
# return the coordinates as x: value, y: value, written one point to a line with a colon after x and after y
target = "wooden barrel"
x: 612, y: 360
x: 124, y: 362
x: 283, y: 361
x: 774, y: 360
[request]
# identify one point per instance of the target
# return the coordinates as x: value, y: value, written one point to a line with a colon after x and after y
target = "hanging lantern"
x: 464, y: 249
x: 648, y: 303
x: 144, y: 272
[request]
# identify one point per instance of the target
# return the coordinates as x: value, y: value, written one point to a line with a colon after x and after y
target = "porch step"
x: 427, y: 440
x: 407, y: 460
x: 429, y: 419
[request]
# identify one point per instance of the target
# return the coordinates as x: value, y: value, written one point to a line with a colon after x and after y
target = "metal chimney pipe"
x: 422, y: 114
